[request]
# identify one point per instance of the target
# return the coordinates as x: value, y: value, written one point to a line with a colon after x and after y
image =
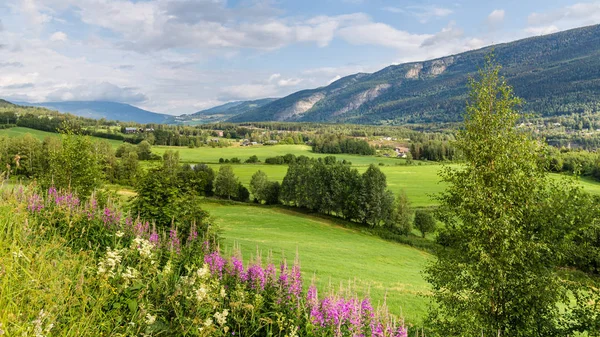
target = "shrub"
x: 424, y: 222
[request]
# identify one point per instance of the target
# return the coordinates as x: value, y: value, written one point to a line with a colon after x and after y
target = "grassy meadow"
x: 212, y: 155
x: 333, y: 254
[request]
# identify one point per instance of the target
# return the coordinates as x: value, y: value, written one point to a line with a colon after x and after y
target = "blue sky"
x: 181, y: 56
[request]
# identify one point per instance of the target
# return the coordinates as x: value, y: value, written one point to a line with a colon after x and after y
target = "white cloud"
x: 381, y: 34
x: 495, y: 18
x: 97, y: 92
x: 58, y: 36
x: 579, y: 14
x: 35, y: 12
x: 448, y: 34
x: 290, y: 82
x: 423, y: 13
x: 246, y: 92
x: 541, y: 30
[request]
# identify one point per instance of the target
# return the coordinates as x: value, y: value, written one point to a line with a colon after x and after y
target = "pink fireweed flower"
x: 256, y: 276
x: 271, y: 275
x: 154, y: 238
x: 35, y: 203
x: 193, y: 234
x: 295, y: 288
x: 141, y: 229
x: 52, y: 192
x: 237, y: 268
x: 216, y: 263
x: 174, y: 243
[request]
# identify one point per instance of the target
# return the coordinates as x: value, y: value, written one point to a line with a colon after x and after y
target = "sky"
x: 182, y: 56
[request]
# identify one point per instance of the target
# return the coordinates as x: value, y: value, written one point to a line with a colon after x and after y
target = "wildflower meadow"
x: 73, y: 267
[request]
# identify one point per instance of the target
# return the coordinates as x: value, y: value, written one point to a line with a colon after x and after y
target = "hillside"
x: 5, y: 104
x: 222, y: 112
x: 107, y: 110
x: 556, y: 74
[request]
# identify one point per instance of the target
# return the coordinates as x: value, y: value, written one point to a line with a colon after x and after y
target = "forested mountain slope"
x: 556, y: 74
x: 222, y: 112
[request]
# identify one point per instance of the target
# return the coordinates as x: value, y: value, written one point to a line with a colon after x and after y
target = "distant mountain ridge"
x: 103, y: 109
x: 556, y: 74
x: 223, y: 112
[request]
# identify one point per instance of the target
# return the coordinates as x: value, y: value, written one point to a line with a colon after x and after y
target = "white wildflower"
x: 203, y: 272
x: 208, y: 322
x: 130, y: 273
x: 143, y: 246
x: 110, y: 261
x: 150, y: 319
x: 201, y: 293
x: 223, y: 292
x: 119, y: 234
x: 221, y: 317
x: 18, y: 254
x: 38, y: 328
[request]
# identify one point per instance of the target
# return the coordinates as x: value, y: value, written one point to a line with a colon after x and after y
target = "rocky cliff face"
x: 300, y: 107
x: 358, y: 100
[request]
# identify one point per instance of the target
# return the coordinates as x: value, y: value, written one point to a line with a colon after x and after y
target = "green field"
x: 331, y: 253
x: 420, y: 181
x: 212, y: 155
x: 20, y: 132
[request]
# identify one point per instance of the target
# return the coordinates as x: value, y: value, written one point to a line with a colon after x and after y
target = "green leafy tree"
x: 226, y: 183
x: 374, y: 203
x: 506, y: 222
x: 73, y: 164
x: 424, y: 222
x: 402, y: 214
x: 258, y: 185
x: 144, y: 150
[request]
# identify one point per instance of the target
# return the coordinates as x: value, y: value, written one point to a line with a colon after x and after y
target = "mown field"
x: 212, y: 155
x: 332, y: 254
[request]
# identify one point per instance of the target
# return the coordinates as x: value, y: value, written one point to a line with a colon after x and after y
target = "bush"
x: 252, y: 160
x: 424, y: 222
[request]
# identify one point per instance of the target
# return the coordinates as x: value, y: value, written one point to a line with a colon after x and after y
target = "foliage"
x: 424, y: 222
x: 402, y: 214
x: 73, y: 164
x: 226, y: 183
x: 336, y: 144
x: 167, y: 194
x: 264, y: 190
x: 506, y: 226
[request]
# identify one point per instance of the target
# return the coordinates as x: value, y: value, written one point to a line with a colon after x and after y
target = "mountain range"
x: 555, y: 74
x: 107, y: 110
x: 223, y: 112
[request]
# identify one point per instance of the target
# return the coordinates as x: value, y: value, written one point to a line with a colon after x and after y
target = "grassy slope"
x: 20, y: 132
x: 333, y: 254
